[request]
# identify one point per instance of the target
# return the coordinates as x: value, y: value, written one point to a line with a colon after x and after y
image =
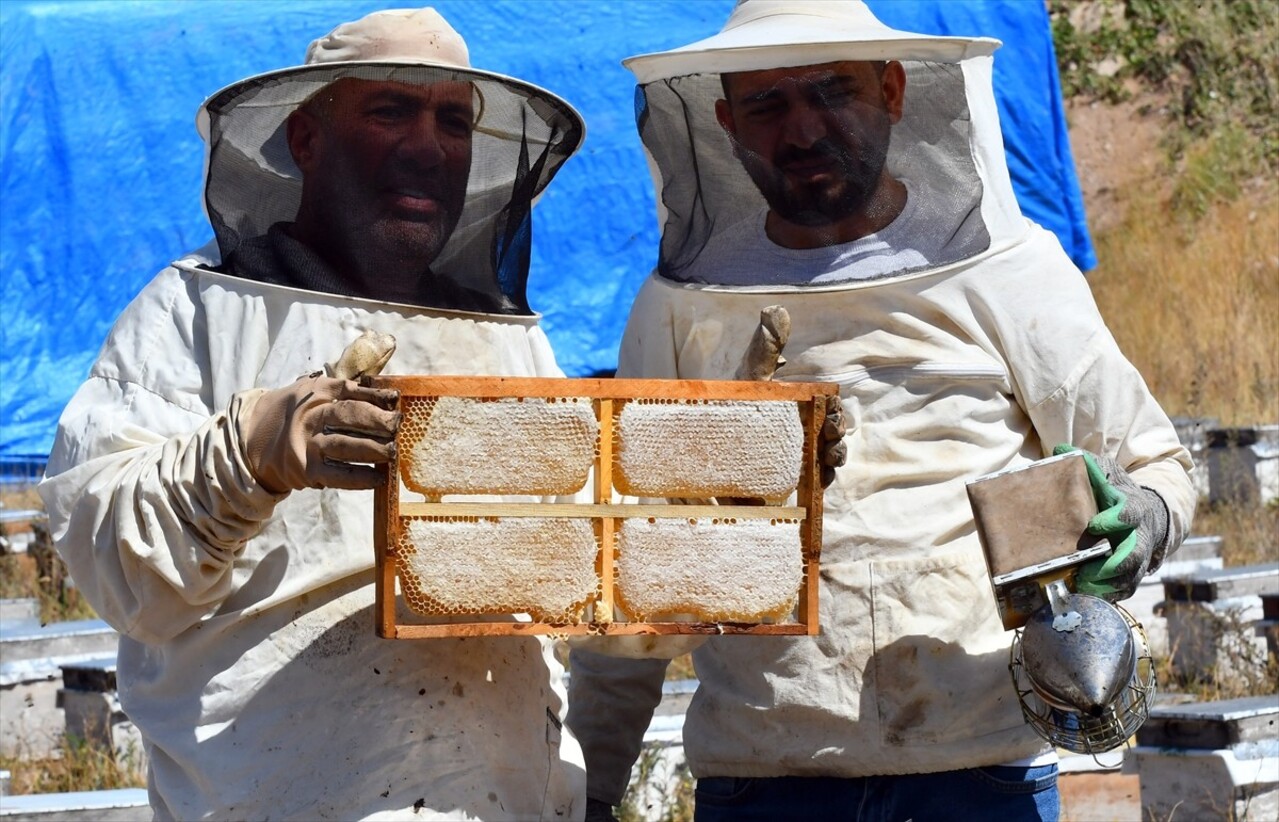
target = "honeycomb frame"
x: 397, y: 509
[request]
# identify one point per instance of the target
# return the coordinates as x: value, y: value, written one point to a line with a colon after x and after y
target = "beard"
x: 358, y: 219
x: 857, y: 167
x: 390, y: 238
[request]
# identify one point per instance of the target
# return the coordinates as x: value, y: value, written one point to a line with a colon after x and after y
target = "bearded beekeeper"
x: 810, y: 157
x: 214, y: 506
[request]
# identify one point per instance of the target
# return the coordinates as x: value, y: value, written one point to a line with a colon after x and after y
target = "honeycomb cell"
x: 719, y: 570
x: 543, y: 567
x: 512, y: 445
x: 734, y: 448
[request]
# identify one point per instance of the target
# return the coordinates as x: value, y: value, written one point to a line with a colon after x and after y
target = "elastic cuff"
x: 1160, y: 549
x: 240, y: 408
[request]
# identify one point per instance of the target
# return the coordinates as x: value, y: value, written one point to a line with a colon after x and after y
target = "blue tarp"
x: 100, y: 164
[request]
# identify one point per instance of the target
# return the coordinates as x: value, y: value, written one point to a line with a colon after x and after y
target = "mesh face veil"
x: 808, y: 144
x: 408, y: 176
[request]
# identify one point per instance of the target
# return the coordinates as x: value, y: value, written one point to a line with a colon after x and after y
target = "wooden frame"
x: 390, y: 508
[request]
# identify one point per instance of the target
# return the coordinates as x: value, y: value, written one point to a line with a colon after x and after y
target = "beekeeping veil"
x: 946, y: 148
x: 522, y: 135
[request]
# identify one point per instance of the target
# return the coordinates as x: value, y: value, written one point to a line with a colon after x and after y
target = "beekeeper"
x: 811, y: 157
x: 214, y: 506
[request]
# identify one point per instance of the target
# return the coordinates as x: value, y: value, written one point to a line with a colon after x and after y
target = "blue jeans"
x: 999, y: 794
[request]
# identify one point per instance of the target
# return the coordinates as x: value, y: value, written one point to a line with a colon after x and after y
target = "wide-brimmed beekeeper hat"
x: 946, y: 148
x: 523, y: 134
x: 767, y: 34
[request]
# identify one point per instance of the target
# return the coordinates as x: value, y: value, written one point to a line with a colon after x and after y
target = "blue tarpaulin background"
x: 101, y: 167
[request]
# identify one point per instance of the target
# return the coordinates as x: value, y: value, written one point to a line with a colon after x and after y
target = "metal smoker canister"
x: 1088, y: 670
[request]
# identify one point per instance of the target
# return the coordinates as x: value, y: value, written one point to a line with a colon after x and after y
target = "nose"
x: 805, y: 125
x: 421, y: 142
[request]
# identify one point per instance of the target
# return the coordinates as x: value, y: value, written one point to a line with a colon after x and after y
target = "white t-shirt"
x: 743, y: 255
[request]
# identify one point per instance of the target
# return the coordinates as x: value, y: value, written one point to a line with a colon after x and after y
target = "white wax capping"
x: 543, y: 567
x: 462, y: 445
x: 710, y: 448
x: 718, y: 570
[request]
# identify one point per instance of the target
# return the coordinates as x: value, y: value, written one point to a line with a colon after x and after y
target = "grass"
x: 664, y: 790
x: 1195, y: 304
x: 1216, y: 62
x: 40, y: 574
x: 1249, y: 533
x: 77, y: 766
x: 1250, y: 536
x: 1188, y: 284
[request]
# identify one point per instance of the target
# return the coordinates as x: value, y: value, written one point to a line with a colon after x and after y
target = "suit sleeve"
x: 149, y: 499
x: 1078, y: 387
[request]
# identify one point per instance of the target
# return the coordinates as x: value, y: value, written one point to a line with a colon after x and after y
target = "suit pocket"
x: 940, y: 661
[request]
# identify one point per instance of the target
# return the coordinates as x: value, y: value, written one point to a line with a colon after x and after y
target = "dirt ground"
x: 1113, y: 146
x: 1100, y: 797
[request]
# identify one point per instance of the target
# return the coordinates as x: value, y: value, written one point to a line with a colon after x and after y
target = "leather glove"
x: 760, y: 362
x: 597, y: 810
x: 324, y: 431
x: 1134, y: 520
x: 366, y: 356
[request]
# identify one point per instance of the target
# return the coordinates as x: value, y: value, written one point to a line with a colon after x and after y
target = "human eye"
x: 391, y: 108
x: 455, y: 122
x: 838, y: 92
x: 390, y: 112
x: 764, y: 108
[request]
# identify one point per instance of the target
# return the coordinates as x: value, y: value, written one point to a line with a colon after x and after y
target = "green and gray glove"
x: 1134, y: 520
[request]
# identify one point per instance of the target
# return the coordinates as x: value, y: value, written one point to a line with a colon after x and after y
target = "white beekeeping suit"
x: 962, y: 337
x: 248, y: 657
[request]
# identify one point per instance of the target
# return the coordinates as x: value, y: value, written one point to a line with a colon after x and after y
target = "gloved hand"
x: 1134, y: 520
x: 831, y: 445
x: 323, y: 431
x: 762, y: 359
x: 597, y: 810
x: 366, y: 356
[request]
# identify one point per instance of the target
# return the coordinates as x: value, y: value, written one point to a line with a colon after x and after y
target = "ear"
x: 302, y: 130
x: 893, y: 88
x: 724, y: 114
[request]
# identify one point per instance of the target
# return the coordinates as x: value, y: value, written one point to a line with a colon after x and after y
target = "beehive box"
x: 634, y: 541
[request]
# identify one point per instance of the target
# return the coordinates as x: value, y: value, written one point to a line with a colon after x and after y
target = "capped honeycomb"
x: 721, y: 569
x: 707, y: 448
x: 509, y: 445
x: 544, y: 567
x: 514, y: 496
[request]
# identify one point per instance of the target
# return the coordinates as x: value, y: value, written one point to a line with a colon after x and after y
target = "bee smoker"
x: 1080, y: 665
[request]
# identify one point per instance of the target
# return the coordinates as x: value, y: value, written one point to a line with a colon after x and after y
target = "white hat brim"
x: 807, y: 34
x: 296, y: 84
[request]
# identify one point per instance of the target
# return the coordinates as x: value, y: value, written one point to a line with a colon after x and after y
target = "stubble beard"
x: 827, y: 202
x: 401, y: 242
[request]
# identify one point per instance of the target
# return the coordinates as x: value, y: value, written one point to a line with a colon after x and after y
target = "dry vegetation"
x: 1186, y: 229
x: 1172, y: 112
x: 78, y: 766
x: 1195, y: 305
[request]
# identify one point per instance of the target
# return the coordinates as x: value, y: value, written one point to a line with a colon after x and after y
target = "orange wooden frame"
x: 389, y: 508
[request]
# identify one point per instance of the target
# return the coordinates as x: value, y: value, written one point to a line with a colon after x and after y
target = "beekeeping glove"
x: 1135, y: 522
x: 760, y: 362
x: 366, y: 356
x: 322, y: 431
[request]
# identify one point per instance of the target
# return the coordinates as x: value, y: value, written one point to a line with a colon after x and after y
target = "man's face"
x: 813, y: 138
x: 385, y: 165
